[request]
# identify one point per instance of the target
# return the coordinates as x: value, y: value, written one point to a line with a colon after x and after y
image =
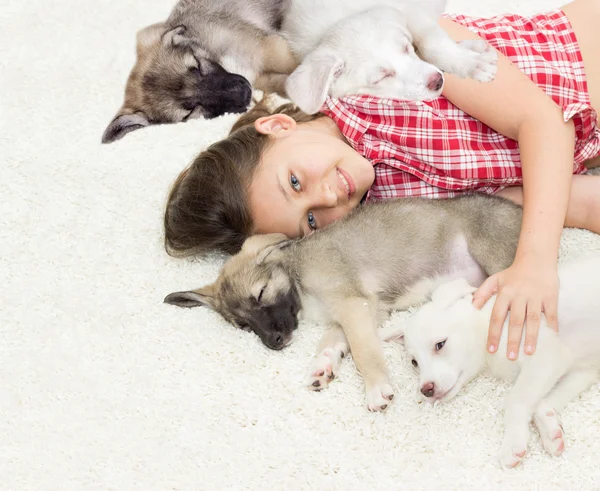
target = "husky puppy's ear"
x: 267, y: 251
x: 175, y: 37
x: 257, y: 243
x: 202, y: 297
x: 150, y: 35
x: 123, y: 124
x: 309, y: 84
x: 449, y: 293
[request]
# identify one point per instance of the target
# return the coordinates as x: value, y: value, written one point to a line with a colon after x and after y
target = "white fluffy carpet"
x: 104, y: 387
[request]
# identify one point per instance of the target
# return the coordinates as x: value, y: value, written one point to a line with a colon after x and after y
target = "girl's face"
x: 308, y: 177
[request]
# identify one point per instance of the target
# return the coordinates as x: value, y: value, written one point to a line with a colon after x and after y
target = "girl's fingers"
x: 499, y: 312
x: 488, y: 288
x: 515, y: 328
x: 532, y: 325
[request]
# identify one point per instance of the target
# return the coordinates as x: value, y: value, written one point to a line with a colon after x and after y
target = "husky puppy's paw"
x: 481, y: 62
x: 551, y: 431
x: 324, y: 369
x: 379, y: 397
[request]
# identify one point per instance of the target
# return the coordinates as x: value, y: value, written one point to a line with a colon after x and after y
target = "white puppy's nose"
x: 428, y: 389
x: 435, y: 82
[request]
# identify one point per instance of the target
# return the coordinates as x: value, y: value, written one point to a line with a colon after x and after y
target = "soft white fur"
x: 446, y: 339
x: 104, y: 388
x: 341, y: 54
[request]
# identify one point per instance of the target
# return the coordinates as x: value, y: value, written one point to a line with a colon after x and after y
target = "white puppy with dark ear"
x: 447, y: 341
x: 354, y: 47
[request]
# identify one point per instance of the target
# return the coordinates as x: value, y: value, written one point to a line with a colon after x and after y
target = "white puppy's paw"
x: 324, y: 369
x: 514, y: 444
x: 551, y: 431
x: 379, y: 397
x: 511, y: 456
x: 481, y: 62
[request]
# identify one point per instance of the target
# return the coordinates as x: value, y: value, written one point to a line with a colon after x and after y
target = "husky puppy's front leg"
x: 469, y: 58
x: 333, y: 347
x: 357, y: 316
x: 538, y: 376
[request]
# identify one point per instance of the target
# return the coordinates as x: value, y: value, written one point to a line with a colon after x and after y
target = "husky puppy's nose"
x: 427, y: 389
x: 276, y: 341
x: 435, y: 82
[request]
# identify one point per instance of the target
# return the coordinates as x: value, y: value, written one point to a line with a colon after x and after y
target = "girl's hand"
x: 526, y: 288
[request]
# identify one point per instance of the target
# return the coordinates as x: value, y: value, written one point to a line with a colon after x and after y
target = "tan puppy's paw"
x: 379, y: 397
x: 324, y: 369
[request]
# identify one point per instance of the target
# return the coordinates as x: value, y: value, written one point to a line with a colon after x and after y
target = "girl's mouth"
x: 347, y: 182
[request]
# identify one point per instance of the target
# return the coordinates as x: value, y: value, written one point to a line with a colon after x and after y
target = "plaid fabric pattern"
x: 435, y: 150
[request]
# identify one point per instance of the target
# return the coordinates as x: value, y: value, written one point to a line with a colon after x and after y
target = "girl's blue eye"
x: 295, y: 183
x: 312, y: 223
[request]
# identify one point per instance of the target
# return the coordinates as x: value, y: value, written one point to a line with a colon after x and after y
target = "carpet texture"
x: 102, y: 387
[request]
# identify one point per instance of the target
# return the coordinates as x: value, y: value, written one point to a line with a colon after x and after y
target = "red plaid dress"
x: 435, y: 150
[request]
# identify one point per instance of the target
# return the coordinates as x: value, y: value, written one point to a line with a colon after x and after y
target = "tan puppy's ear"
x: 124, y: 122
x: 449, y: 293
x: 150, y: 35
x: 202, y: 297
x: 175, y: 37
x: 257, y: 243
x: 309, y: 84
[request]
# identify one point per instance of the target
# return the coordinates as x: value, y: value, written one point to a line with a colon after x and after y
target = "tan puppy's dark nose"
x: 427, y: 389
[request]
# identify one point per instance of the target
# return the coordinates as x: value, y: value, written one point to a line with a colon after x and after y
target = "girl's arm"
x: 516, y: 107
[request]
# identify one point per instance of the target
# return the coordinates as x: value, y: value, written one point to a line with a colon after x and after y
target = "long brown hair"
x: 207, y: 207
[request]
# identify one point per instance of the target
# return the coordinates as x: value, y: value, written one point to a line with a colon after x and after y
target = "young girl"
x: 527, y: 136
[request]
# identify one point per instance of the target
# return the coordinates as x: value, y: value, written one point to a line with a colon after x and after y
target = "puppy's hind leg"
x: 546, y: 418
x: 538, y: 375
x: 357, y: 316
x: 333, y: 347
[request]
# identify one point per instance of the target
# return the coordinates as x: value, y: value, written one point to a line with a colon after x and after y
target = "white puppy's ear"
x: 309, y: 84
x: 392, y: 333
x: 434, y: 7
x: 449, y: 293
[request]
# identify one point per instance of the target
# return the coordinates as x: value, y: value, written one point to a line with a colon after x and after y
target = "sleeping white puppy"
x: 447, y: 341
x: 368, y: 47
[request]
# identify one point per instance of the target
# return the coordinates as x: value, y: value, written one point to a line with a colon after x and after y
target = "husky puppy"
x: 447, y: 340
x: 202, y: 62
x: 350, y: 275
x: 366, y: 47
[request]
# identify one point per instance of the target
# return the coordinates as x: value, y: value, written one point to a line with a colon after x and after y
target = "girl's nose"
x: 325, y: 197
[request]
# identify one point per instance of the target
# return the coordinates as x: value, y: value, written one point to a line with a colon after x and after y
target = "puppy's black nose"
x: 427, y: 389
x: 276, y: 341
x: 241, y: 88
x: 435, y: 82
